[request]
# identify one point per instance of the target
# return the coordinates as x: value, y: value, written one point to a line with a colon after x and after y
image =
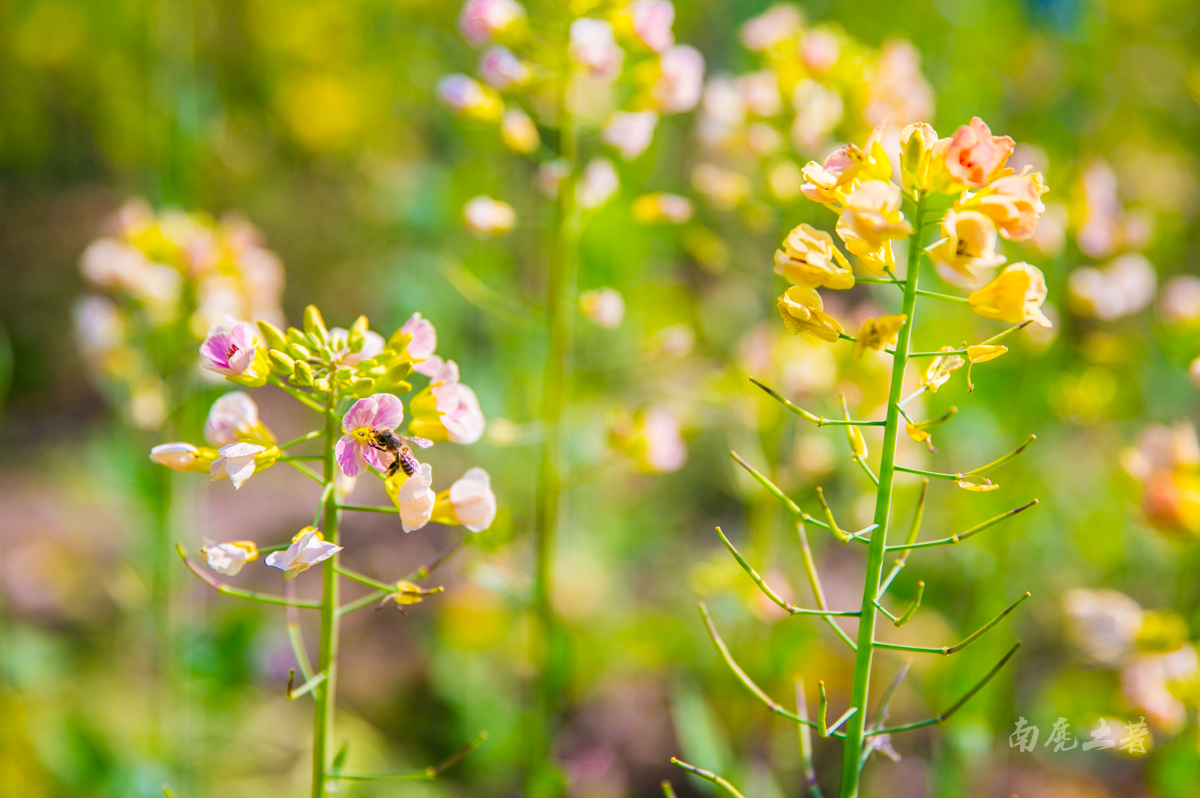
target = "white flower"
x: 502, y: 70
x: 594, y: 47
x: 237, y: 462
x: 1119, y: 289
x: 604, y: 306
x: 1181, y: 299
x: 665, y: 448
x: 681, y: 81
x: 630, y: 132
x: 414, y: 498
x: 178, y: 456
x: 228, y: 558
x: 777, y: 24
x: 307, y: 549
x: 230, y: 415
x: 1104, y: 623
x: 597, y: 185
x: 473, y: 501
x: 339, y: 342
x: 465, y: 424
x: 485, y: 216
x: 652, y: 21
x: 98, y: 325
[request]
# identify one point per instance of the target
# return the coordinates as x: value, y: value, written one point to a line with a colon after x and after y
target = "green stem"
x: 560, y: 281
x: 855, y: 726
x: 325, y: 700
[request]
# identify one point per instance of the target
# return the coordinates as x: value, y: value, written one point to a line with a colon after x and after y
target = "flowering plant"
x: 964, y: 180
x: 352, y: 379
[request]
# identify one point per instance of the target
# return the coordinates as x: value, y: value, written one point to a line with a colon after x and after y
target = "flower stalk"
x: 330, y: 620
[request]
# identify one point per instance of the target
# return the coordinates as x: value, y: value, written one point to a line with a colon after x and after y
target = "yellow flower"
x: 870, y: 220
x: 919, y: 435
x: 878, y: 332
x: 803, y: 311
x: 977, y: 487
x: 830, y: 181
x: 1014, y: 203
x: 940, y: 370
x: 981, y: 353
x: 1016, y: 295
x: 968, y: 241
x: 809, y: 258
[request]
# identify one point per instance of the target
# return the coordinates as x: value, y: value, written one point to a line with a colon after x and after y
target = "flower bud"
x: 302, y: 374
x: 272, y: 335
x: 314, y: 325
x: 299, y: 352
x: 357, y: 334
x: 281, y: 364
x: 363, y: 387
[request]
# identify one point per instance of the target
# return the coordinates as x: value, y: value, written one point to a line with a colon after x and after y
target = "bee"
x: 387, y: 441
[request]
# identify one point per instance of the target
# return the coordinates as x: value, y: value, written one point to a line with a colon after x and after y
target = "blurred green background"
x: 317, y: 121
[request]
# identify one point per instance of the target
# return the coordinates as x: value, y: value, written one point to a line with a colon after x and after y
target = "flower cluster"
x: 1166, y: 466
x: 811, y: 82
x: 617, y: 70
x: 990, y: 202
x: 1159, y: 669
x: 165, y: 279
x: 324, y: 368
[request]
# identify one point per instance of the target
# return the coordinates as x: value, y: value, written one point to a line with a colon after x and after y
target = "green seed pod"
x: 302, y: 374
x: 295, y: 336
x: 281, y: 364
x: 272, y: 335
x: 363, y: 387
x: 314, y: 324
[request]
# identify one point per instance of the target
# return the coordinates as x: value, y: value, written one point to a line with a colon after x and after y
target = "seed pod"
x: 299, y: 352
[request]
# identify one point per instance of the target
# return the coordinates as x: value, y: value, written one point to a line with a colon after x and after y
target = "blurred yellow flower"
x: 661, y: 207
x: 939, y: 370
x: 809, y: 258
x: 1016, y: 295
x: 518, y: 132
x: 804, y: 312
x: 981, y: 353
x: 878, y: 332
x: 870, y: 219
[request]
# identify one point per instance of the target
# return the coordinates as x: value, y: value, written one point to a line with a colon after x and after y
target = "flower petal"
x: 389, y: 412
x: 349, y: 459
x: 361, y: 414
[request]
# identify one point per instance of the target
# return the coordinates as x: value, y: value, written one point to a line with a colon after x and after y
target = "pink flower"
x: 481, y: 20
x: 469, y: 97
x: 229, y: 348
x: 652, y: 21
x: 465, y: 424
x: 473, y: 501
x: 630, y: 132
x: 776, y: 25
x: 604, y: 306
x: 665, y: 449
x: 234, y: 414
x: 502, y: 70
x: 681, y: 81
x: 414, y: 497
x: 178, y: 456
x: 237, y: 462
x: 423, y: 344
x: 594, y: 47
x: 597, y: 185
x: 973, y: 154
x: 362, y: 421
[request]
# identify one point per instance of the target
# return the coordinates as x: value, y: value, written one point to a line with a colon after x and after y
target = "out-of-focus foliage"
x: 318, y: 121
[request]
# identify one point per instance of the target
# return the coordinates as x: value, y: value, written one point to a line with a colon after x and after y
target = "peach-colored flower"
x: 810, y: 258
x: 1181, y: 300
x: 1016, y: 295
x: 1014, y: 203
x: 897, y: 91
x: 1166, y: 462
x: 870, y: 220
x: 968, y: 243
x: 776, y: 25
x: 973, y: 155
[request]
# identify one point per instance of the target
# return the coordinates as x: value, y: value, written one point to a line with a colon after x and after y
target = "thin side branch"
x: 942, y: 718
x: 947, y: 650
x: 820, y: 421
x: 1001, y: 460
x: 806, y: 752
x: 771, y: 594
x: 229, y: 590
x: 427, y: 774
x: 723, y: 650
x: 913, y: 531
x: 366, y: 509
x: 961, y: 536
x: 309, y: 685
x: 708, y: 775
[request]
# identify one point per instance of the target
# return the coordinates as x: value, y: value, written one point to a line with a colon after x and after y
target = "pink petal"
x: 346, y: 452
x: 389, y: 412
x: 429, y: 366
x: 424, y: 337
x: 214, y: 348
x: 361, y: 414
x: 376, y: 457
x: 242, y: 359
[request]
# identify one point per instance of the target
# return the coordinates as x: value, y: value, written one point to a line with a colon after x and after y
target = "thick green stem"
x: 325, y: 700
x: 560, y: 280
x: 855, y: 726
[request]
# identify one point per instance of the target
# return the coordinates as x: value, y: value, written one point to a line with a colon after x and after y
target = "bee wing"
x: 423, y: 443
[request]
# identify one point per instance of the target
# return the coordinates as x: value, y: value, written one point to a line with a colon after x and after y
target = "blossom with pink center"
x: 681, y: 79
x: 422, y: 345
x: 229, y: 558
x: 604, y: 306
x: 231, y: 417
x: 480, y: 21
x: 652, y: 21
x: 486, y: 217
x: 413, y: 497
x: 229, y: 348
x: 597, y: 185
x: 473, y: 501
x: 237, y: 462
x: 594, y: 47
x: 630, y: 132
x: 308, y: 548
x: 178, y: 456
x: 365, y: 418
x: 501, y: 69
x: 339, y: 343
